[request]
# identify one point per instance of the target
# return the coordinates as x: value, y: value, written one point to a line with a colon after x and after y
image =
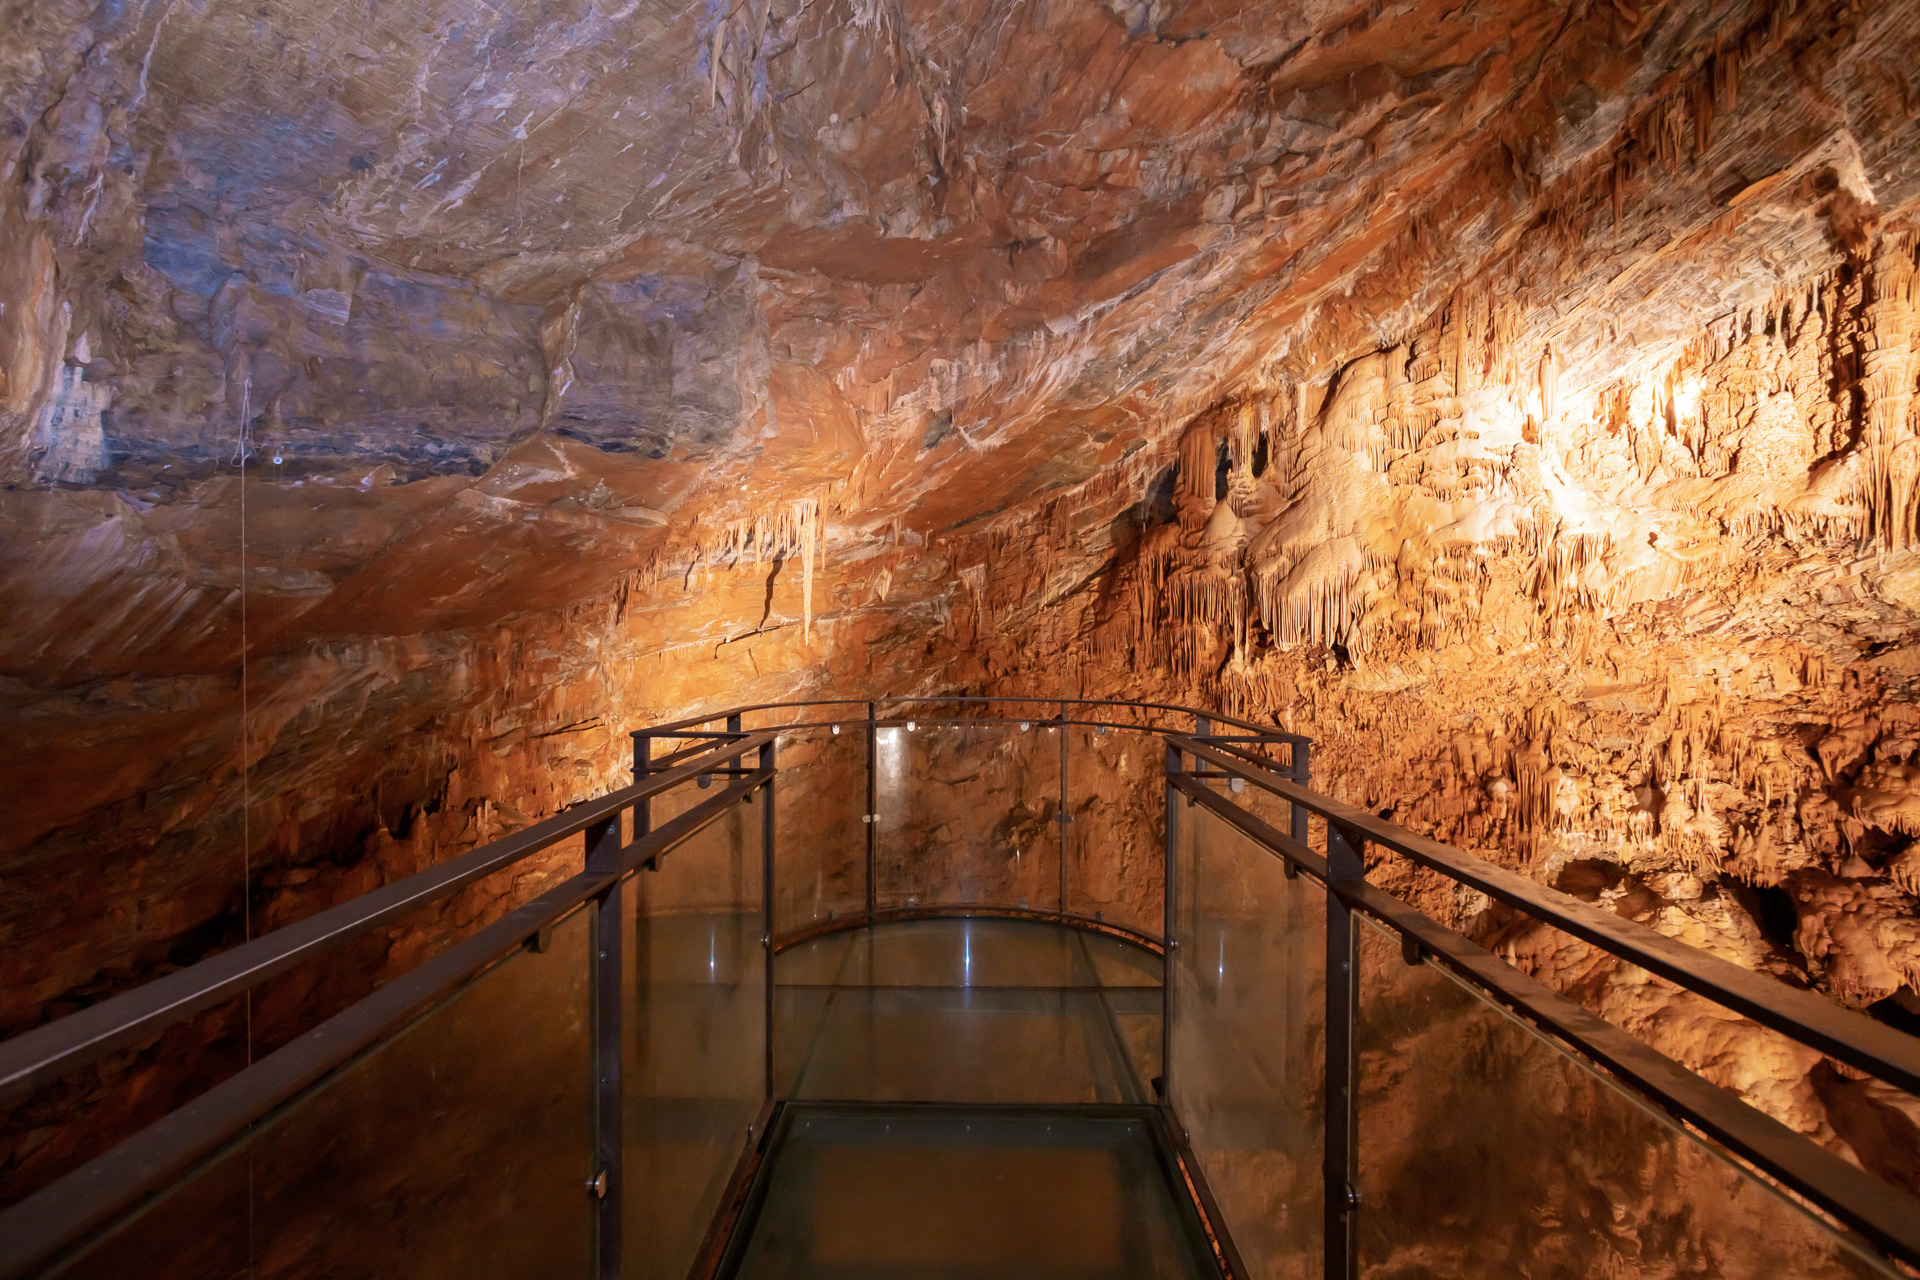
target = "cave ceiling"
x: 523, y: 298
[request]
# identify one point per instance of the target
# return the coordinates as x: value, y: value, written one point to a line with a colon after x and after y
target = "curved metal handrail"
x: 1203, y: 716
x: 966, y: 911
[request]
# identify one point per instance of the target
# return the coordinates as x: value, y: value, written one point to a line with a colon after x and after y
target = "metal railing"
x: 1887, y: 1218
x: 1208, y: 762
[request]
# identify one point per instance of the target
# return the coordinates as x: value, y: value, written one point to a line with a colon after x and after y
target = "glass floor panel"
x: 942, y: 1193
x: 986, y: 1011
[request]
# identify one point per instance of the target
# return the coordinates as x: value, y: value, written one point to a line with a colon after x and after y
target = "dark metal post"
x: 605, y: 1183
x: 873, y: 806
x: 766, y: 895
x: 1297, y: 752
x: 1166, y: 928
x: 1342, y: 1083
x: 642, y: 770
x: 1066, y: 815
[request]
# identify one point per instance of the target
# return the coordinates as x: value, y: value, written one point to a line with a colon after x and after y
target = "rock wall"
x: 1648, y: 641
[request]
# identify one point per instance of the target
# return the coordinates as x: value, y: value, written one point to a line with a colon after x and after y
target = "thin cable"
x: 246, y: 762
x: 246, y: 779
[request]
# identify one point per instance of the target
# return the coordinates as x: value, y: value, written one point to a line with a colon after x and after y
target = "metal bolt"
x: 597, y: 1186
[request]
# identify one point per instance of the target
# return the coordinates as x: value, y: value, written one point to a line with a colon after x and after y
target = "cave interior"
x: 1506, y: 406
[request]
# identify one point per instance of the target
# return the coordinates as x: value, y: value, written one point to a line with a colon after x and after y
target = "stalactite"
x: 805, y: 529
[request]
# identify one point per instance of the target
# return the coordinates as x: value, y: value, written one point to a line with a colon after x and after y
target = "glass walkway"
x: 944, y: 988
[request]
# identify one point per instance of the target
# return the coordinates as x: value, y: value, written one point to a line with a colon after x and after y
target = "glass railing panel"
x: 821, y: 860
x: 968, y: 816
x: 972, y: 1010
x: 1487, y: 1148
x: 696, y: 1035
x: 1249, y: 1040
x: 73, y: 1118
x: 1129, y: 981
x: 459, y: 1146
x: 1116, y: 843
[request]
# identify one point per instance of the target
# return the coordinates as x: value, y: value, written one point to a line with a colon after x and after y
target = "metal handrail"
x: 68, y: 1211
x: 47, y: 1052
x: 1265, y: 731
x: 1802, y: 1015
x: 1149, y: 942
x: 1886, y: 1216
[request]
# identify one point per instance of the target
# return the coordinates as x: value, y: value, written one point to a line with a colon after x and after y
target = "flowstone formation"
x: 1648, y: 638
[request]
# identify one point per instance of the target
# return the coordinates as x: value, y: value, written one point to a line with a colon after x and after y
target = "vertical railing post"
x: 1167, y: 906
x: 1066, y: 814
x: 642, y: 770
x: 1344, y: 866
x: 767, y: 845
x: 873, y: 807
x: 1297, y: 754
x: 605, y: 939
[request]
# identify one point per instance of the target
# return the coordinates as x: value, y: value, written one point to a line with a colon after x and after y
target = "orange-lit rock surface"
x: 399, y: 403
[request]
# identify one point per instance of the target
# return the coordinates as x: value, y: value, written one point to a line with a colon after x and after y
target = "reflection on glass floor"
x: 994, y: 1011
x: 941, y: 1192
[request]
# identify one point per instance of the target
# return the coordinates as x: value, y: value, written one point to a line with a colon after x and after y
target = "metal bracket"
x: 1411, y: 952
x: 597, y: 1186
x: 540, y: 941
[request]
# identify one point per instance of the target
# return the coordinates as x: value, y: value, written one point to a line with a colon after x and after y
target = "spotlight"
x: 911, y: 726
x: 1025, y: 725
x: 836, y: 729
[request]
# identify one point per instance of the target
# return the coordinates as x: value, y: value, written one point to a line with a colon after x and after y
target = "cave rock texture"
x: 400, y: 400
